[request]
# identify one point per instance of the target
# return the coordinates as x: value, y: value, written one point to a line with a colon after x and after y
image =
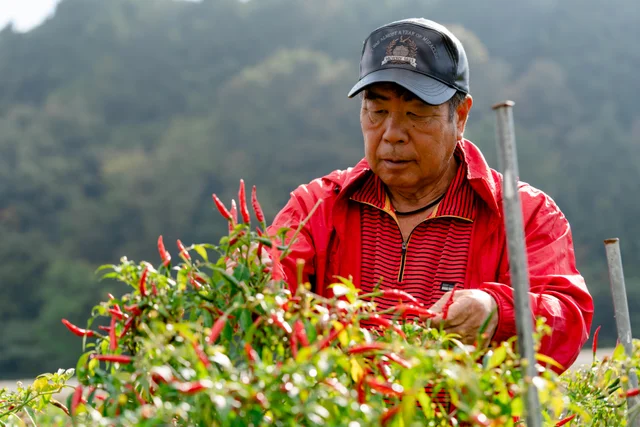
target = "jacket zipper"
x: 403, y: 258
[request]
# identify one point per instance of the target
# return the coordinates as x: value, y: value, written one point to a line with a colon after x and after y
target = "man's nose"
x: 395, y: 131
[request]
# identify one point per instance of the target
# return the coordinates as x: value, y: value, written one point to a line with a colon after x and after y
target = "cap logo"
x: 401, y: 51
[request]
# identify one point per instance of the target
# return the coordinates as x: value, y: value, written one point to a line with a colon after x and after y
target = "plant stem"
x: 59, y: 405
x: 30, y: 417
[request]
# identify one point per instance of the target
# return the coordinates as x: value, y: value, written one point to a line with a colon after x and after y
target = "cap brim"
x: 424, y: 87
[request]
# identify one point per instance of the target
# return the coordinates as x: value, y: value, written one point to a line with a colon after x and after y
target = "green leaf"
x: 242, y: 273
x: 408, y: 408
x: 549, y: 361
x: 618, y: 354
x: 499, y: 355
x: 40, y: 385
x: 202, y: 252
x: 227, y: 332
x: 517, y: 406
x: 345, y: 288
x: 304, y: 354
x: 425, y: 403
x: 245, y: 320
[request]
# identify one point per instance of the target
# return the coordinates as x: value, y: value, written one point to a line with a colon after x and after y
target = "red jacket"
x: 330, y: 246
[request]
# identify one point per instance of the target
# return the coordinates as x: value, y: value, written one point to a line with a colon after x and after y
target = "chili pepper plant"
x: 211, y: 335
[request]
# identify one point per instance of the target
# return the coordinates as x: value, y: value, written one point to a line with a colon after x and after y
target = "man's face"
x: 409, y: 144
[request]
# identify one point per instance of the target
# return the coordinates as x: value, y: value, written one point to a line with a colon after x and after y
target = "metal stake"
x: 518, y: 266
x: 621, y: 310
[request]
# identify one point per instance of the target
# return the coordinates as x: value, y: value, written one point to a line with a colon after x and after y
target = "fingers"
x: 466, y: 314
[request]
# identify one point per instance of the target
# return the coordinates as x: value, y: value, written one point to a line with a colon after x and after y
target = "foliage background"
x: 119, y: 118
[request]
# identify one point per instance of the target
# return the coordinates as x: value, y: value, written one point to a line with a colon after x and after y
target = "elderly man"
x: 423, y: 211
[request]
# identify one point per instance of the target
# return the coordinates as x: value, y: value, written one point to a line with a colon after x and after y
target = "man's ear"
x: 462, y: 115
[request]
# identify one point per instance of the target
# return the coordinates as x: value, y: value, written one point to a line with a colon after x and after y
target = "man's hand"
x: 468, y: 311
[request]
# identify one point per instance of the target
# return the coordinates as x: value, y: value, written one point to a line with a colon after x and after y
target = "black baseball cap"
x: 420, y: 55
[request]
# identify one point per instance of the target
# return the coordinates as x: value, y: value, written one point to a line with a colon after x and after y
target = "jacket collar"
x: 483, y: 179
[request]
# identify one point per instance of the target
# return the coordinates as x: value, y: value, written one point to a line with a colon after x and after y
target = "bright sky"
x: 25, y: 14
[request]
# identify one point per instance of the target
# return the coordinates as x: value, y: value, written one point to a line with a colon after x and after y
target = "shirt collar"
x: 458, y: 200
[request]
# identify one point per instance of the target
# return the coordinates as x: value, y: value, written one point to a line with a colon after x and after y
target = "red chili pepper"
x: 565, y: 420
x: 194, y: 282
x: 78, y: 331
x: 259, y: 251
x: 388, y: 416
x: 594, y: 346
x: 633, y: 392
x: 399, y: 360
x: 385, y: 389
x: 256, y: 205
x: 396, y: 293
x: 133, y: 309
x: 242, y: 199
x: 328, y: 340
x: 201, y: 354
x: 164, y: 254
x: 234, y: 215
x: 445, y: 309
x: 217, y: 328
x: 127, y: 326
x: 221, y: 208
x: 192, y: 387
x: 154, y: 289
x: 162, y: 375
x: 143, y: 281
x: 76, y: 399
x: 116, y: 313
x: 235, y: 239
x: 362, y: 395
x: 386, y: 323
x: 406, y: 310
x: 364, y: 348
x: 113, y: 341
x: 183, y: 251
x: 300, y: 333
x: 111, y: 296
x: 122, y: 359
x: 104, y: 328
x: 281, y: 323
x: 252, y: 355
x: 383, y: 368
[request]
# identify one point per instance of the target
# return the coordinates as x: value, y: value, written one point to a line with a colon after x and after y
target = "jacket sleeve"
x: 291, y: 216
x: 557, y: 290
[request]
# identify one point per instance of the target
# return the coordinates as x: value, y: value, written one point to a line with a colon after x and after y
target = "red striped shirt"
x: 435, y: 255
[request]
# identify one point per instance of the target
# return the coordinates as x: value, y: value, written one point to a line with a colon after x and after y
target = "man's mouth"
x: 394, y: 163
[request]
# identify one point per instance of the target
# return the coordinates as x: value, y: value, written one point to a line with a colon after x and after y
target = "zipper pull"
x: 404, y: 248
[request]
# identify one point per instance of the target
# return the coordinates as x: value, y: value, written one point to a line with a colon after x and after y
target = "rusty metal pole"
x: 518, y: 266
x: 621, y: 311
